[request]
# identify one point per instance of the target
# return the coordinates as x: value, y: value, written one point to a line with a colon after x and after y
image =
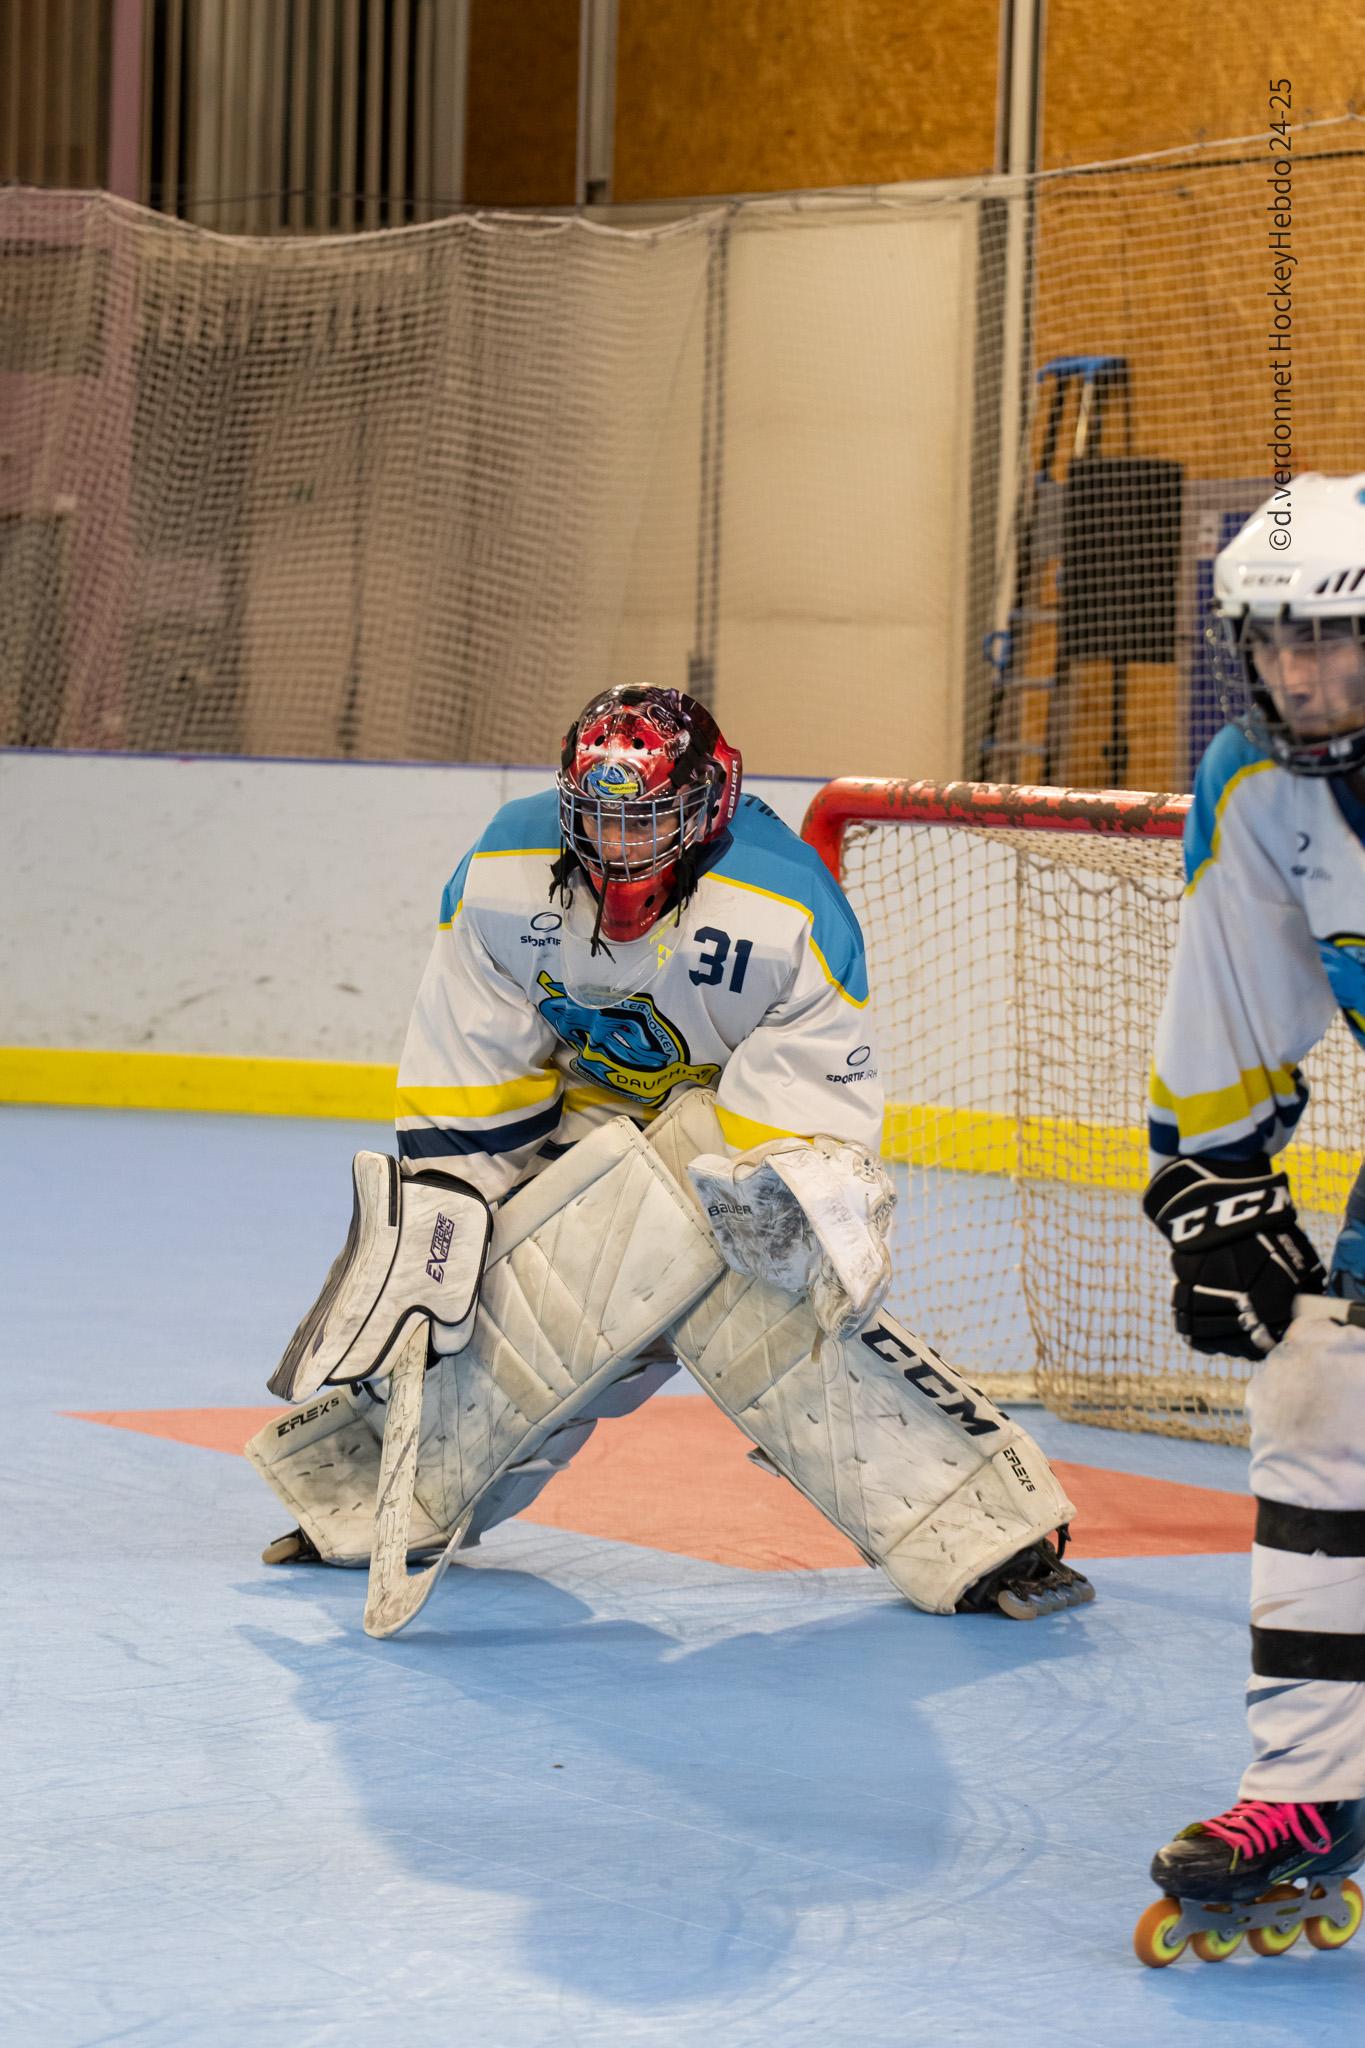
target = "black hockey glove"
x: 1238, y: 1252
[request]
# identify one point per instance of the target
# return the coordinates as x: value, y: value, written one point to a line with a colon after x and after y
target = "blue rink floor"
x: 600, y: 1794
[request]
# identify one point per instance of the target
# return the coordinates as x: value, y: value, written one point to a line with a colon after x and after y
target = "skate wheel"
x: 1273, y: 1941
x: 1336, y: 1932
x: 1211, y: 1947
x: 1152, y: 1942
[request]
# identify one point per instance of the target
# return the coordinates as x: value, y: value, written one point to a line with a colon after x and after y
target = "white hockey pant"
x: 1306, y: 1693
x: 589, y: 1265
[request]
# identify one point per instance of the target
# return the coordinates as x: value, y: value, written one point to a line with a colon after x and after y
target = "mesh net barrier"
x: 961, y: 454
x: 1017, y: 977
x: 1191, y: 328
x: 368, y: 495
x: 419, y: 493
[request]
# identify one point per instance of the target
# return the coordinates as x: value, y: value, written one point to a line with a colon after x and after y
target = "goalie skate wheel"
x: 1336, y: 1931
x: 1212, y: 1947
x: 1152, y: 1942
x: 1274, y: 1941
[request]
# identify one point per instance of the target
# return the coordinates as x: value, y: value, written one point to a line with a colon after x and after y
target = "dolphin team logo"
x: 1343, y: 956
x: 614, y: 781
x: 629, y: 1047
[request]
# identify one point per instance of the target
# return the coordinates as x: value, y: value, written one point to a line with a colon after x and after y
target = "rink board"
x: 610, y: 1789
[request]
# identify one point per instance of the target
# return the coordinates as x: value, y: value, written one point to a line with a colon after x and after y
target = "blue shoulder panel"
x: 1228, y: 753
x: 454, y: 889
x: 766, y: 854
x: 529, y: 824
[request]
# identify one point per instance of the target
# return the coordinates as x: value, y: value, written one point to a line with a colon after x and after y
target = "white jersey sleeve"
x: 477, y: 1090
x: 1271, y: 865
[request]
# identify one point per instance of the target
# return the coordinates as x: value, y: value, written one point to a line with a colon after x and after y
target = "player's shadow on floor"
x: 677, y: 1809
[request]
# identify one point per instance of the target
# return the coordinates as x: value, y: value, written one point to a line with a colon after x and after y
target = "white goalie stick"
x: 394, y: 1594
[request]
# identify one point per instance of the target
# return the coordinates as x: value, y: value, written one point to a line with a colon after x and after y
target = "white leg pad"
x: 590, y: 1263
x: 921, y: 1472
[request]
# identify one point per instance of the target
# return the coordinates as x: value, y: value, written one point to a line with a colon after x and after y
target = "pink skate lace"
x: 1253, y: 1826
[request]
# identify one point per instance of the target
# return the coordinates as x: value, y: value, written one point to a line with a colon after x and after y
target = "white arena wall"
x: 259, y: 910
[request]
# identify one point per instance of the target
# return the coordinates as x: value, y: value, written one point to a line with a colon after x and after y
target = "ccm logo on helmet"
x: 1228, y: 1213
x: 946, y: 1394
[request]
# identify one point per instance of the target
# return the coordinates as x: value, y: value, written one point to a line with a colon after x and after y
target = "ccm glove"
x: 1238, y: 1253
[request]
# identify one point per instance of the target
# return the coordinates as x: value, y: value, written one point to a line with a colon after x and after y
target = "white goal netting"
x: 1017, y: 976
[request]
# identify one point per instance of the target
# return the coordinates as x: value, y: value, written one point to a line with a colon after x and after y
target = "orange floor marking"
x: 675, y: 1477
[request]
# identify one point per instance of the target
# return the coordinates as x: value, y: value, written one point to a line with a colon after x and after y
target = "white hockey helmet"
x: 1289, y: 630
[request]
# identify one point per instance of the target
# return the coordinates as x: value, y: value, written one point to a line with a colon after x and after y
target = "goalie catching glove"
x: 1239, y: 1254
x: 810, y: 1217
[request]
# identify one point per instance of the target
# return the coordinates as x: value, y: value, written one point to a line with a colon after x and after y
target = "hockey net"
x: 1019, y: 942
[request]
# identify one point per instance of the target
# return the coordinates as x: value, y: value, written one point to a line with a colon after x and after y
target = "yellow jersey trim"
x: 857, y: 1002
x: 496, y: 1099
x: 1250, y: 768
x: 1198, y: 1116
x: 745, y: 1133
x: 517, y: 853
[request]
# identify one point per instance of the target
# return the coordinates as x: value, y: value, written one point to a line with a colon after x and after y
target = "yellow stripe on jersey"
x: 745, y: 1133
x: 1198, y: 1116
x: 516, y: 853
x: 438, y: 1105
x: 1251, y: 768
x: 581, y: 1098
x: 858, y: 1002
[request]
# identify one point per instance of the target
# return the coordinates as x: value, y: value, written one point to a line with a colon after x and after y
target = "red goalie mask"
x: 647, y: 784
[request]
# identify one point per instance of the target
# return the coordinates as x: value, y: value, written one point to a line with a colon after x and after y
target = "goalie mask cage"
x: 1019, y: 943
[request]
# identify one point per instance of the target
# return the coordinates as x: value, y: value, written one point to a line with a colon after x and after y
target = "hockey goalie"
x: 638, y: 1128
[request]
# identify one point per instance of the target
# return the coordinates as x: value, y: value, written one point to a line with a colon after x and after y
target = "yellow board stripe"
x: 214, y: 1082
x: 1078, y: 1154
x: 914, y: 1134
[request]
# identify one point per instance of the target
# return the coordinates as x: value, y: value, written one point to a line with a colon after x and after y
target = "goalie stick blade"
x: 390, y: 1606
x: 387, y: 1603
x: 393, y: 1596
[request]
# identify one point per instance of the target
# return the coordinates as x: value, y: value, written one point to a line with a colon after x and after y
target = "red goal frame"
x: 1116, y: 813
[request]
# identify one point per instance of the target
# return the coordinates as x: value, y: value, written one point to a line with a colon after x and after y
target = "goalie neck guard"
x: 1289, y: 631
x: 647, y: 788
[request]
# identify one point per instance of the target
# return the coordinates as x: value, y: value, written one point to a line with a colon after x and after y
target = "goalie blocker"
x: 602, y: 1253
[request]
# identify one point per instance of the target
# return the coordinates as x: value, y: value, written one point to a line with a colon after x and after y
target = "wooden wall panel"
x: 1161, y: 76
x: 522, y: 119
x: 777, y: 95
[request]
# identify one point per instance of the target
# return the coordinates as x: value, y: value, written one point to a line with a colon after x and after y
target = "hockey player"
x: 1271, y: 947
x: 643, y: 1035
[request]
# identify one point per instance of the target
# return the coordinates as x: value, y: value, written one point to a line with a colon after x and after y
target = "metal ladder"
x: 1019, y: 743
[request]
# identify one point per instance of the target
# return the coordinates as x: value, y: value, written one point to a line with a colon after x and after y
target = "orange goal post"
x: 1019, y: 941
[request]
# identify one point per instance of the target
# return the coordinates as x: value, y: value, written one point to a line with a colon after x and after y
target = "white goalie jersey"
x: 763, y: 999
x: 1271, y: 946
